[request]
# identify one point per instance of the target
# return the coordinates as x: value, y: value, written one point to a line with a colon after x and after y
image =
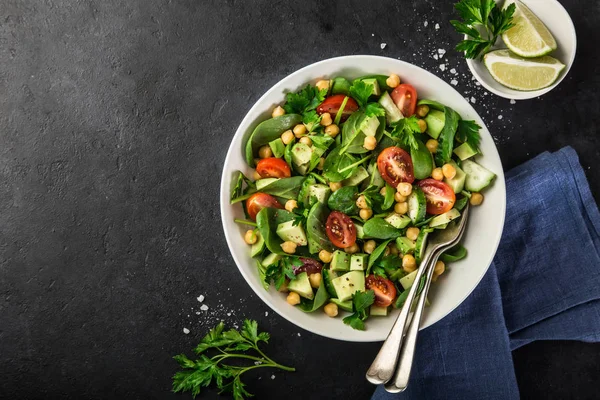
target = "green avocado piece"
x: 301, y: 285
x: 340, y: 261
x: 301, y: 154
x: 349, y: 283
x: 277, y: 147
x: 287, y: 231
x: 358, y: 262
x: 435, y: 123
x: 344, y: 305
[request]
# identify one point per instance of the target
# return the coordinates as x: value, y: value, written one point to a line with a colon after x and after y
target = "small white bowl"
x: 558, y: 21
x: 481, y: 238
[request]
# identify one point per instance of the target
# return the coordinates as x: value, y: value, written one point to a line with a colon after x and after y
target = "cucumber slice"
x: 457, y: 184
x: 344, y: 305
x: 327, y: 278
x: 377, y: 311
x: 444, y: 218
x: 421, y: 244
x: 478, y: 177
x: 417, y: 205
x: 392, y: 112
x: 259, y: 246
x: 405, y: 245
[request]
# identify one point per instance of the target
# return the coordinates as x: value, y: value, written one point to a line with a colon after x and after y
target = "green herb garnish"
x: 405, y: 131
x: 361, y: 301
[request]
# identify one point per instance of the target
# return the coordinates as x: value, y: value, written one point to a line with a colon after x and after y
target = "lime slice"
x: 522, y: 73
x: 529, y: 37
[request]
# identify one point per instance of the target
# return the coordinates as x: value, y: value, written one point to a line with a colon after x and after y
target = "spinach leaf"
x: 267, y: 220
x: 388, y: 200
x: 262, y: 274
x: 352, y: 137
x: 321, y: 144
x: 378, y: 252
x: 381, y: 81
x: 422, y: 161
x: 404, y: 295
x: 446, y: 138
x: 287, y: 188
x: 335, y: 168
x: 313, y: 305
x: 340, y: 85
x: 238, y: 190
x: 432, y: 104
x: 303, y: 195
x: 315, y: 229
x: 344, y: 200
x: 456, y: 253
x: 378, y: 228
x: 268, y: 131
x: 287, y: 154
x: 461, y: 203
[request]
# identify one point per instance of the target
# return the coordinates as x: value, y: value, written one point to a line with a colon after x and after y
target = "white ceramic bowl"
x: 558, y: 21
x: 485, y: 225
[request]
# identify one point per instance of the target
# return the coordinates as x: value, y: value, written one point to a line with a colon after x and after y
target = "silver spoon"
x: 384, y: 365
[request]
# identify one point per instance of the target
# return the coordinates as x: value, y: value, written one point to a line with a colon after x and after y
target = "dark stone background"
x: 115, y: 117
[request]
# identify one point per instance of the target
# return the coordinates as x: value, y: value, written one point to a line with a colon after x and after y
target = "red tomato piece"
x: 440, y: 197
x: 333, y: 103
x: 395, y: 166
x: 340, y: 230
x: 405, y: 97
x: 273, y: 168
x: 258, y: 201
x: 385, y: 291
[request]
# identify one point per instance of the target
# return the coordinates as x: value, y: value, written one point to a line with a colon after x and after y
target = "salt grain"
x: 473, y: 100
x: 453, y: 71
x: 512, y: 101
x: 298, y: 333
x: 200, y: 298
x: 437, y: 26
x: 441, y: 52
x: 425, y: 24
x: 272, y: 376
x: 186, y: 330
x: 454, y: 82
x: 500, y: 116
x: 435, y: 56
x: 443, y: 67
x: 204, y: 307
x: 266, y: 313
x: 382, y: 45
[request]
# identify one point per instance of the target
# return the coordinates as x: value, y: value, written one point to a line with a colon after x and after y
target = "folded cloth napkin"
x: 544, y: 284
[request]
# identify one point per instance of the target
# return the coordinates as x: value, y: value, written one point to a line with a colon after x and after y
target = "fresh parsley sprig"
x: 226, y: 346
x: 361, y: 301
x: 478, y: 16
x: 405, y: 130
x: 304, y: 102
x: 468, y: 132
x: 282, y: 270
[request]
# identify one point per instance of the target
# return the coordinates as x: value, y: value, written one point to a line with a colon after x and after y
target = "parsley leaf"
x: 405, y: 130
x: 468, y: 132
x: 305, y: 102
x: 484, y: 14
x: 207, y: 369
x: 361, y: 302
x: 374, y: 110
x: 360, y: 91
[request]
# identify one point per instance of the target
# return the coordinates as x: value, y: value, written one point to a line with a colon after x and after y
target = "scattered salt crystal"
x: 454, y: 82
x: 425, y: 24
x: 272, y: 376
x: 204, y: 307
x: 382, y: 45
x: 257, y: 362
x: 186, y: 330
x: 298, y: 333
x: 442, y: 52
x: 512, y: 101
x: 437, y: 26
x: 473, y: 100
x: 453, y: 71
x: 500, y: 116
x: 197, y: 312
x: 266, y: 313
x: 435, y: 56
x: 372, y: 34
x: 200, y: 298
x: 477, y: 84
x: 229, y: 314
x: 443, y: 67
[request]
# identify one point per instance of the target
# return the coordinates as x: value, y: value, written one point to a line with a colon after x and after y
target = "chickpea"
x: 250, y: 237
x: 370, y: 143
x: 326, y: 119
x: 299, y: 130
x: 383, y: 191
x: 325, y: 256
x: 412, y: 233
x: 437, y: 174
x: 287, y: 136
x: 361, y: 202
x: 365, y: 213
x: 438, y: 270
x: 401, y: 208
x: 394, y: 249
x: 323, y: 84
x: 256, y: 176
x: 399, y: 198
x: 331, y: 309
x: 449, y: 171
x: 352, y: 249
x: 290, y: 205
x: 289, y: 247
x: 332, y: 130
x: 422, y: 110
x: 387, y: 251
x: 369, y: 246
x: 334, y: 186
x: 409, y: 264
x: 476, y: 199
x: 321, y: 164
x: 404, y: 188
x: 432, y: 145
x: 422, y: 125
x: 315, y: 280
x: 306, y: 140
x: 393, y: 81
x: 277, y: 112
x: 293, y: 298
x: 265, y: 152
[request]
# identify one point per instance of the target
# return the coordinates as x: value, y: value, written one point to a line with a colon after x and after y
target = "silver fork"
x: 384, y: 365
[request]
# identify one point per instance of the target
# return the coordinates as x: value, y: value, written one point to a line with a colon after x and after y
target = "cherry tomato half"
x: 395, y: 166
x: 340, y: 230
x: 405, y: 97
x: 385, y: 291
x: 440, y: 197
x: 333, y: 103
x: 258, y: 201
x: 273, y: 168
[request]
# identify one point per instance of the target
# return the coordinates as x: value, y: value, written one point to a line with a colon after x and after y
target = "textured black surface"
x: 115, y: 117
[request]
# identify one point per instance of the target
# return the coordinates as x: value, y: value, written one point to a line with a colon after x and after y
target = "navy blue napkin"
x: 544, y: 284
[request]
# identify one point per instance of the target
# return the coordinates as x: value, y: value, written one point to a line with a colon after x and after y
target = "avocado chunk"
x: 378, y: 311
x: 271, y: 259
x: 405, y: 245
x: 458, y: 182
x: 465, y: 151
x: 358, y: 262
x: 359, y: 175
x: 444, y: 218
x: 344, y: 305
x: 408, y: 280
x: 340, y: 261
x: 262, y: 183
x: 397, y: 221
x: 360, y: 231
x: 277, y: 147
x: 288, y: 232
x: 319, y: 192
x: 372, y: 81
x: 259, y: 246
x: 302, y: 169
x: 340, y: 85
x: 301, y: 154
x: 369, y: 126
x: 435, y: 123
x: 301, y: 285
x: 349, y: 283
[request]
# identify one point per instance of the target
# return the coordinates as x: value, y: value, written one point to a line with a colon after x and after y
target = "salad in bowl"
x: 343, y: 183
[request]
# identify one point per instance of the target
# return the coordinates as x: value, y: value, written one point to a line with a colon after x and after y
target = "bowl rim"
x: 224, y: 197
x: 526, y: 95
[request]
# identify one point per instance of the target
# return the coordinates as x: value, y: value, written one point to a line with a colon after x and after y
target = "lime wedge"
x: 522, y: 73
x: 529, y: 37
